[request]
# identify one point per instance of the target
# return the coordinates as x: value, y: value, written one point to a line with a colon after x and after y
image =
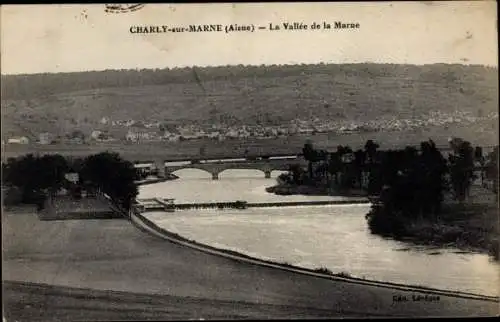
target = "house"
x: 95, y: 135
x: 347, y: 158
x: 232, y: 134
x: 18, y: 140
x: 44, y: 138
x: 72, y: 177
x: 137, y: 136
x: 172, y: 137
x: 214, y: 134
x: 76, y: 140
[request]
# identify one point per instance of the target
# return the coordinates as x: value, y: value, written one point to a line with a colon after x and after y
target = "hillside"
x: 237, y: 95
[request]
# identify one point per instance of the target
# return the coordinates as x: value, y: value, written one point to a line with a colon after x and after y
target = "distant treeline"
x: 39, y: 85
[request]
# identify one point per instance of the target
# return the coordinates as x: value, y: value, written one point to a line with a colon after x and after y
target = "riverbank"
x: 471, y: 227
x: 149, y: 226
x: 467, y: 227
x: 114, y: 256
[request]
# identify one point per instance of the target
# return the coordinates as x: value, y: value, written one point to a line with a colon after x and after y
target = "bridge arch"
x: 199, y: 171
x: 217, y: 168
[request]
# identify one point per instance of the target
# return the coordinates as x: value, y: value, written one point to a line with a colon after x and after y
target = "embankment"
x: 145, y: 224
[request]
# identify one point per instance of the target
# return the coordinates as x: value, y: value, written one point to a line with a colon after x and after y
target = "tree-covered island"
x: 416, y: 193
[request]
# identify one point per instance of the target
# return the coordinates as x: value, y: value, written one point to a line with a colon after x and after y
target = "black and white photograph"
x: 255, y: 160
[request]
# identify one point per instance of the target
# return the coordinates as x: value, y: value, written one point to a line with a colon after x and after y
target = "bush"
x: 324, y: 270
x: 343, y: 274
x: 384, y: 223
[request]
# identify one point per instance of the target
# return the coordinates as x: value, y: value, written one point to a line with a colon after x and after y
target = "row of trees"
x: 39, y: 176
x: 410, y: 182
x: 343, y: 168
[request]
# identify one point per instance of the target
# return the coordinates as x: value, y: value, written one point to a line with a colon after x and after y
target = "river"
x: 335, y: 237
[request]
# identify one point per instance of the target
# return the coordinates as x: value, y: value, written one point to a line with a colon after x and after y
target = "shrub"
x: 380, y: 221
x: 343, y: 274
x: 324, y: 270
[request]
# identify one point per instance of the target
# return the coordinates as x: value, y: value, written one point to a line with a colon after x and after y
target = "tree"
x: 334, y: 166
x: 371, y: 150
x: 52, y: 169
x: 480, y: 160
x: 347, y: 167
x: 374, y: 169
x: 296, y: 173
x: 36, y: 176
x: 461, y: 168
x: 112, y: 175
x: 77, y: 134
x: 412, y: 185
x: 432, y: 169
x: 202, y: 151
x: 309, y: 154
x: 492, y: 169
x: 359, y: 164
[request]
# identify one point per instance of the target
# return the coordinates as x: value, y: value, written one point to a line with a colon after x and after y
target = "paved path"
x: 115, y: 255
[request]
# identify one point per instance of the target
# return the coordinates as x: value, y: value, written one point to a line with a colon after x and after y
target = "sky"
x: 79, y: 37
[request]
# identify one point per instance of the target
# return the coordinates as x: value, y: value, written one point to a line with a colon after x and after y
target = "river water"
x: 335, y: 237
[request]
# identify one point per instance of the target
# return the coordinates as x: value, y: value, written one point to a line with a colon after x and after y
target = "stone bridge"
x: 215, y: 168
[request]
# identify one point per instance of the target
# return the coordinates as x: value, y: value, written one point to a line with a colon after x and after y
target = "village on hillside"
x: 157, y: 131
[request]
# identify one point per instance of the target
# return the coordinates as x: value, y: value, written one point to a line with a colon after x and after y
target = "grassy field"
x: 167, y: 281
x: 60, y: 103
x: 42, y: 302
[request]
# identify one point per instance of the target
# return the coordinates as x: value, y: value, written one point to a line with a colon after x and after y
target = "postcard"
x: 249, y: 160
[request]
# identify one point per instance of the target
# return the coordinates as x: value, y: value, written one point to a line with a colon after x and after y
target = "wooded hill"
x: 245, y: 94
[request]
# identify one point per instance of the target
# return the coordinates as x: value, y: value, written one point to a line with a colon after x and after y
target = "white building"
x: 44, y: 138
x: 171, y: 137
x: 95, y: 135
x: 232, y: 134
x: 72, y: 177
x: 213, y: 134
x: 18, y: 140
